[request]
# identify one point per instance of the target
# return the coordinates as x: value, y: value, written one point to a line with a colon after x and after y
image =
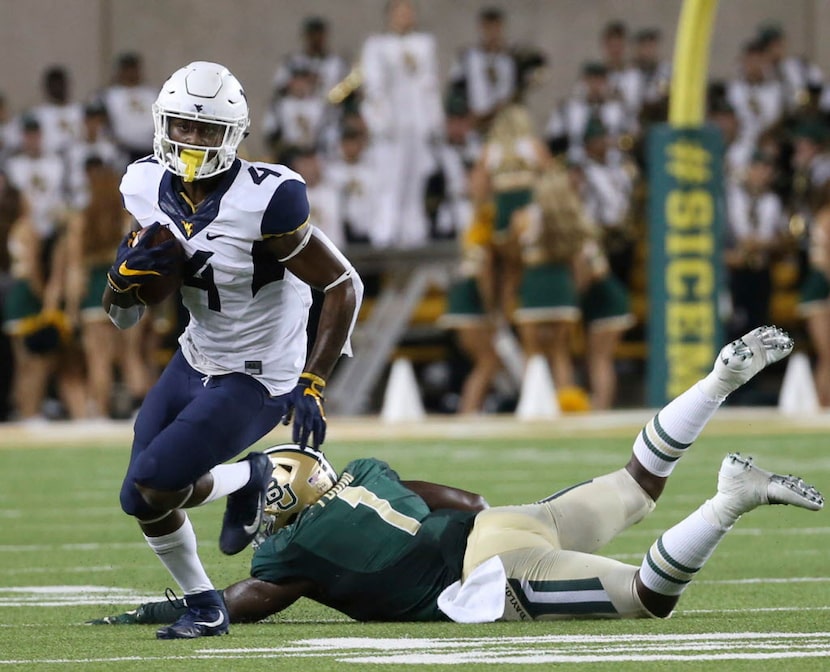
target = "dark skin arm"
x: 318, y: 267
x: 445, y: 497
x: 251, y: 600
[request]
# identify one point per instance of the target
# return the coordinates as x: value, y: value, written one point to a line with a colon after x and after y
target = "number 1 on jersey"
x: 359, y: 495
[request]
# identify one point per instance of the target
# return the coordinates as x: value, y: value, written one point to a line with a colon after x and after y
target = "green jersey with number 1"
x: 371, y: 546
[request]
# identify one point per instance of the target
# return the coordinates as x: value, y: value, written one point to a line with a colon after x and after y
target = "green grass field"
x: 68, y: 554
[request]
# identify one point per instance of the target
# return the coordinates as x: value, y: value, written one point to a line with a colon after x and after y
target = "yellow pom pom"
x: 573, y: 400
x: 480, y: 231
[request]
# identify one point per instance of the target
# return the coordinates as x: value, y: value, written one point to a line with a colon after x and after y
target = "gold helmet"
x: 300, y: 477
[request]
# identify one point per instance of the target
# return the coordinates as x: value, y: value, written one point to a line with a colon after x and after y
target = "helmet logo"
x: 281, y: 496
x: 198, y: 107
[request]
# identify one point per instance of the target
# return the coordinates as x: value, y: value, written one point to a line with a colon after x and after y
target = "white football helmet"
x: 300, y: 478
x: 205, y: 92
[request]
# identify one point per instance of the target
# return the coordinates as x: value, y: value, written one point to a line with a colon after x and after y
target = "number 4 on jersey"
x: 259, y: 175
x: 204, y: 280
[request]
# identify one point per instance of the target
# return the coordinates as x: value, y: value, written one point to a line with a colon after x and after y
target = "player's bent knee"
x: 164, y: 500
x: 133, y: 504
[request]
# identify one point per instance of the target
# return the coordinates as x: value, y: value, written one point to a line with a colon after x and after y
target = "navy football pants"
x: 189, y: 423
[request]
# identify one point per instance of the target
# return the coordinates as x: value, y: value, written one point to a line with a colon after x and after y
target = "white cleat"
x: 746, y: 486
x: 743, y: 358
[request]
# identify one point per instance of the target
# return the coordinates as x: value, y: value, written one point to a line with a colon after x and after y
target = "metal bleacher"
x: 406, y: 275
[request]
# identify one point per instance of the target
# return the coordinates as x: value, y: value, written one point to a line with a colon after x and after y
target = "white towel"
x: 480, y: 599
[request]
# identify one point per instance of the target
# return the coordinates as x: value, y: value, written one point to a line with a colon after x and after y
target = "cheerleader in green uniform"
x: 551, y: 232
x: 814, y: 304
x: 93, y: 235
x: 467, y: 315
x: 606, y: 316
x: 605, y: 305
x: 30, y: 312
x: 505, y: 174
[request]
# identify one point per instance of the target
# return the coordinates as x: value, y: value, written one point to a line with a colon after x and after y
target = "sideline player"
x: 376, y: 548
x: 251, y: 255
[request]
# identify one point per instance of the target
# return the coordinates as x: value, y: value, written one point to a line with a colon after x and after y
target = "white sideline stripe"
x: 410, y: 643
x: 528, y: 650
x: 448, y: 659
x: 51, y: 590
x: 52, y: 570
x: 754, y: 609
x: 653, y: 533
x: 549, y: 658
x: 794, y: 579
x: 40, y: 548
x: 76, y: 510
x: 624, y: 557
x: 70, y: 596
x: 91, y: 546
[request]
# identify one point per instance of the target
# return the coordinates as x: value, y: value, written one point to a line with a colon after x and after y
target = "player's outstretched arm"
x: 445, y: 497
x: 312, y: 257
x: 251, y: 600
x: 247, y: 601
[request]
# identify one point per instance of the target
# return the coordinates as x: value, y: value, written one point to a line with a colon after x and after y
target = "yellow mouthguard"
x: 192, y: 159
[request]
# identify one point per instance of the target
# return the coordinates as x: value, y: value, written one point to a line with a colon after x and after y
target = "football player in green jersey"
x: 378, y: 548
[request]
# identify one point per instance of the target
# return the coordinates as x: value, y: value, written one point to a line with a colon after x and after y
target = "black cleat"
x: 206, y: 616
x: 243, y: 513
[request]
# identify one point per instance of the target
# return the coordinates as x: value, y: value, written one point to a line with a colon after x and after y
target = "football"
x: 159, y: 287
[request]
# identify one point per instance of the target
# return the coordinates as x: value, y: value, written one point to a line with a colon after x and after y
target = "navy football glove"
x: 136, y: 260
x: 307, y: 411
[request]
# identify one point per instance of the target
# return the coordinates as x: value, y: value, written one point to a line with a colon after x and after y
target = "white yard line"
x: 729, y: 421
x: 539, y: 650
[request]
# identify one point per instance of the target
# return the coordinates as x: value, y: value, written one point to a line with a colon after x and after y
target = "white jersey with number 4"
x: 248, y: 314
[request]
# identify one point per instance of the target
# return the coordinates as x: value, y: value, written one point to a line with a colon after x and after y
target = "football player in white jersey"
x: 251, y: 257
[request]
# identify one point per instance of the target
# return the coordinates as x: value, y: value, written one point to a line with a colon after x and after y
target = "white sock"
x: 721, y: 511
x: 228, y: 478
x: 177, y: 551
x: 668, y: 435
x: 674, y: 559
